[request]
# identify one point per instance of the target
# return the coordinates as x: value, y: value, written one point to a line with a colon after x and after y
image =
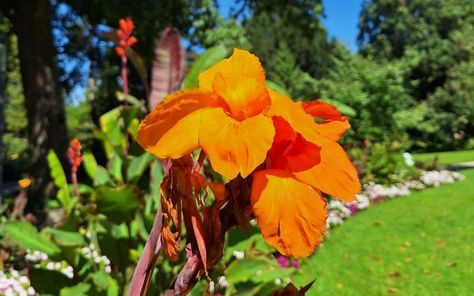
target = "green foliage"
x: 272, y: 22
x: 118, y: 204
x: 374, y: 90
x: 385, y: 164
x: 435, y: 38
x: 59, y: 178
x: 15, y: 136
x: 26, y: 235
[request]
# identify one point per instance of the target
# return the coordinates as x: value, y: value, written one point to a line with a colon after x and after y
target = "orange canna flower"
x: 242, y: 125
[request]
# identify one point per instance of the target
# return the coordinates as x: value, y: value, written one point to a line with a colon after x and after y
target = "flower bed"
x: 372, y: 193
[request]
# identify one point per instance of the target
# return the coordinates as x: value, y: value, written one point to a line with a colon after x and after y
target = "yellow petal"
x: 172, y: 129
x: 233, y: 146
x: 240, y: 82
x: 334, y: 175
x: 291, y: 215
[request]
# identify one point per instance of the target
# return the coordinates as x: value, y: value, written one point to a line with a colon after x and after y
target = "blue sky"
x: 340, y: 22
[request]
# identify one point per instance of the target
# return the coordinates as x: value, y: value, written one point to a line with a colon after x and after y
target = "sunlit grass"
x: 415, y: 245
x: 445, y: 158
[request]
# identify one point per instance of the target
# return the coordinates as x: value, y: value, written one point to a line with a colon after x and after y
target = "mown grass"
x: 448, y: 157
x: 416, y: 245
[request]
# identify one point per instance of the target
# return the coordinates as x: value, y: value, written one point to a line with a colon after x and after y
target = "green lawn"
x: 448, y: 157
x: 422, y: 244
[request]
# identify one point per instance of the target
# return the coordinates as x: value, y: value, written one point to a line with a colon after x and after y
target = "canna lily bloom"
x: 227, y: 116
x: 242, y: 125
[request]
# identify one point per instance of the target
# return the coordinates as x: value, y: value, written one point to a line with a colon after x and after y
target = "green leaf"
x: 277, y: 87
x: 28, y: 237
x: 131, y: 99
x: 138, y: 165
x: 80, y: 289
x: 118, y: 204
x: 204, y: 62
x: 90, y: 164
x: 102, y: 177
x: 59, y: 179
x: 115, y: 168
x: 111, y: 126
x: 48, y: 282
x: 65, y: 238
x: 244, y: 270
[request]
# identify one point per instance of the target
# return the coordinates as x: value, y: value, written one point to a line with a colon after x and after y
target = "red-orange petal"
x: 291, y: 215
x: 172, y: 128
x: 233, y: 146
x: 292, y: 112
x: 322, y: 110
x: 290, y: 151
x: 334, y: 175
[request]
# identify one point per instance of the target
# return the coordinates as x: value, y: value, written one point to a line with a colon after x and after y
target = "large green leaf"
x: 59, y: 179
x: 118, y: 204
x: 65, y: 238
x: 138, y: 165
x: 26, y: 235
x: 204, y: 62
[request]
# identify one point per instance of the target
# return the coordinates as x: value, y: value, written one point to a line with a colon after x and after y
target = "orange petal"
x: 292, y: 112
x: 290, y: 151
x: 334, y: 124
x: 333, y: 130
x: 334, y: 175
x: 322, y: 110
x: 240, y: 82
x: 233, y: 146
x: 172, y: 129
x: 290, y: 214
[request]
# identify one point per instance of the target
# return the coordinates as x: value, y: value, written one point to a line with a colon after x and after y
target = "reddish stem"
x: 200, y: 161
x: 124, y: 76
x: 74, y: 182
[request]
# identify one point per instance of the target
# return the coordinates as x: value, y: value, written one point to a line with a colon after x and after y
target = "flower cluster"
x: 245, y: 129
x: 74, y: 154
x: 436, y: 178
x: 339, y: 211
x: 126, y: 40
x: 90, y: 252
x: 13, y: 283
x: 40, y: 260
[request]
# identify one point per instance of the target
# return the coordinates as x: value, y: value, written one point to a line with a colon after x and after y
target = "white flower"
x: 239, y: 255
x: 222, y: 282
x: 408, y: 158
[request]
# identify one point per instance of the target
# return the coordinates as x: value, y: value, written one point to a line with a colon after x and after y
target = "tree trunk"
x: 44, y: 105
